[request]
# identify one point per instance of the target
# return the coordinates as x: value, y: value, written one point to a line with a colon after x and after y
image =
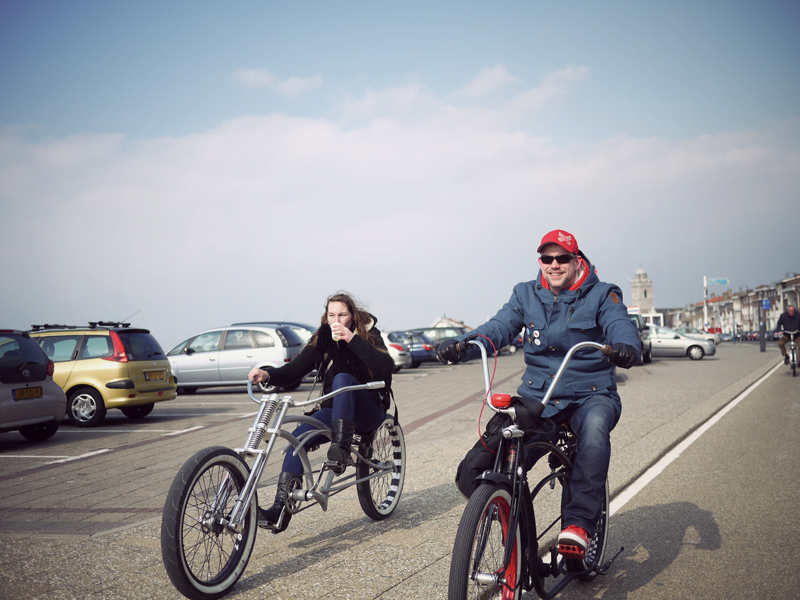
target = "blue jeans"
x: 359, y: 407
x: 592, y: 423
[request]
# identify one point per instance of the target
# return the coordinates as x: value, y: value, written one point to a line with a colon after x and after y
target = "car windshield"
x: 140, y: 345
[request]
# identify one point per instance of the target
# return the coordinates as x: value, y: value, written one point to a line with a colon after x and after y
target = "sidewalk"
x: 343, y: 554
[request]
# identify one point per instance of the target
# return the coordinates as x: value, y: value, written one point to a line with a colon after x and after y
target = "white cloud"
x: 409, y: 201
x: 293, y: 86
x: 488, y: 81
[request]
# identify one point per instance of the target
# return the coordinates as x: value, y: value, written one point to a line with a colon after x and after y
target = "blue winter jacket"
x: 593, y: 312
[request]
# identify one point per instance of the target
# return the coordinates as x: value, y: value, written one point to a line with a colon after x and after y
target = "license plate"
x: 154, y: 376
x: 27, y: 393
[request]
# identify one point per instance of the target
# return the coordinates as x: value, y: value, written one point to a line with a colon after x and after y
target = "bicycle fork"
x: 260, y: 427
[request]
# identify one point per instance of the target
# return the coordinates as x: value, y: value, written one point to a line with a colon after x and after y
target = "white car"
x: 699, y: 333
x: 399, y: 353
x: 225, y: 356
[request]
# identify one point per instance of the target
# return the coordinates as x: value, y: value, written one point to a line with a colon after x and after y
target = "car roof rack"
x: 52, y: 326
x: 115, y: 324
x: 92, y: 325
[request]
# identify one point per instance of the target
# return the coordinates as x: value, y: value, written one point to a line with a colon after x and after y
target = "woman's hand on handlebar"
x: 257, y: 375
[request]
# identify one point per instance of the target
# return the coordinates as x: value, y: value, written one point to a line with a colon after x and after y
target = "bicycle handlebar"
x: 605, y: 349
x: 370, y: 385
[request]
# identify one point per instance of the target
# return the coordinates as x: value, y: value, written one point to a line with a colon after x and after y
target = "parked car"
x: 398, y: 351
x: 420, y: 347
x: 646, y: 354
x: 31, y: 402
x: 106, y: 365
x: 301, y: 329
x: 437, y: 334
x: 224, y: 356
x: 669, y: 342
x: 699, y: 333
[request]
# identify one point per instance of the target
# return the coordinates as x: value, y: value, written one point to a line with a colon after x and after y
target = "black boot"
x: 268, y: 518
x: 341, y: 441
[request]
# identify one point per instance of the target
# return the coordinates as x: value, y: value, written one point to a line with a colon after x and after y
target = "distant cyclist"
x: 789, y: 321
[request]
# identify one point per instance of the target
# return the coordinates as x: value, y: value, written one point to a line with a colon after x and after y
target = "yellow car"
x: 106, y: 365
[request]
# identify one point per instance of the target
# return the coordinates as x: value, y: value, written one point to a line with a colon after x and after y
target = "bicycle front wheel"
x: 477, y: 568
x: 380, y: 495
x: 203, y: 558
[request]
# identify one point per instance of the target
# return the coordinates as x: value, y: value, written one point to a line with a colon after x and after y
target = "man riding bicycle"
x: 564, y: 305
x: 788, y: 321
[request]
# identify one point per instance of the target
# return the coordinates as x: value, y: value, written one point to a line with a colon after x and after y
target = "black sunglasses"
x: 561, y: 258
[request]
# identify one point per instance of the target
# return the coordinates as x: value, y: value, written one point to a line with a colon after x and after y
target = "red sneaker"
x: 572, y: 542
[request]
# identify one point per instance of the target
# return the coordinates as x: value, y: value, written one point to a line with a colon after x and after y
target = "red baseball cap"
x: 563, y: 238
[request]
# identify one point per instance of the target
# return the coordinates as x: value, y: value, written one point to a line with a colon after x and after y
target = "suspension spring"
x: 262, y: 422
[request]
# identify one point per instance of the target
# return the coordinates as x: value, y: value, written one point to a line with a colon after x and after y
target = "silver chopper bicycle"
x: 209, y: 523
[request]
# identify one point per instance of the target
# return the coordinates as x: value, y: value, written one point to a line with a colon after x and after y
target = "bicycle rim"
x: 203, y: 559
x: 477, y: 569
x: 380, y: 495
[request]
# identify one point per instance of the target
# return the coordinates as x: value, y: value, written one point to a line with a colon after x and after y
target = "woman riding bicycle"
x: 347, y: 349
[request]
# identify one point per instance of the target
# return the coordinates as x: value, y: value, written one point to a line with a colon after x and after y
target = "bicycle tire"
x: 479, y: 548
x: 203, y: 559
x: 380, y: 495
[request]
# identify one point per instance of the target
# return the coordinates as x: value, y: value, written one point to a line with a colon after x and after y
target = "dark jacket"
x: 786, y: 322
x: 593, y: 312
x: 364, y: 360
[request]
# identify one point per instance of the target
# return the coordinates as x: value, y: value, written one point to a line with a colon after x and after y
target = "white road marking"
x: 637, y: 486
x: 195, y: 428
x: 88, y: 454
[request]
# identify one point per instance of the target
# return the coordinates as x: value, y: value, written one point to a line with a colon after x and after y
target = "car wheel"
x: 396, y: 369
x: 648, y: 356
x: 266, y: 388
x: 40, y: 432
x: 138, y: 412
x: 512, y: 349
x: 85, y: 408
x: 415, y: 364
x: 186, y: 390
x: 695, y: 352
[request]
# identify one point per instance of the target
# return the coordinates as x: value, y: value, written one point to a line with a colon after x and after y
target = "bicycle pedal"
x: 572, y: 551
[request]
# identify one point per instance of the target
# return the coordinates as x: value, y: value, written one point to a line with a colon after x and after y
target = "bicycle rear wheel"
x: 476, y: 568
x: 380, y: 495
x: 203, y: 558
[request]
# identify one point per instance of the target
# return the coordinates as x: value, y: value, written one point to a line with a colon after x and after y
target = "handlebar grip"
x: 463, y: 345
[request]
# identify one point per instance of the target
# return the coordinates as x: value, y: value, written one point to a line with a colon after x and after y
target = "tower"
x: 642, y: 292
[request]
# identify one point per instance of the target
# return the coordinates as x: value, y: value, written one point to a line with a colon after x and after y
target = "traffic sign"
x: 766, y: 304
x: 719, y: 281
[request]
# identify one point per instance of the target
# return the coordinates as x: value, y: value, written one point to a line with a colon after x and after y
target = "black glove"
x: 623, y: 355
x: 448, y: 351
x: 528, y: 417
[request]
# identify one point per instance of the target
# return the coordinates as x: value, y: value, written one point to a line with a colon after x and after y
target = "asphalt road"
x: 81, y: 512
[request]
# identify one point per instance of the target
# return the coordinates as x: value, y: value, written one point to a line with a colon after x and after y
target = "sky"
x: 188, y: 165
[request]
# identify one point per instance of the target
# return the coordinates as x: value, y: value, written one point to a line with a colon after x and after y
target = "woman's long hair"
x: 361, y: 318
